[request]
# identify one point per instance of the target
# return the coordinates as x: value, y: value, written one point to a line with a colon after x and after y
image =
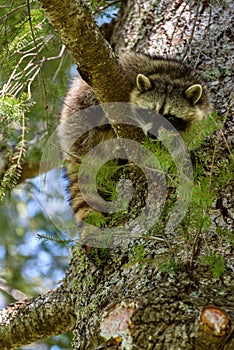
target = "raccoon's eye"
x: 178, y: 123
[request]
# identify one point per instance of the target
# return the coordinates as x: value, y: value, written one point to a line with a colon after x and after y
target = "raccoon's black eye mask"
x: 178, y: 123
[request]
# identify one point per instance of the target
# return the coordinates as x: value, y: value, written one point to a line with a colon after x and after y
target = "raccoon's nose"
x: 178, y: 123
x: 152, y: 134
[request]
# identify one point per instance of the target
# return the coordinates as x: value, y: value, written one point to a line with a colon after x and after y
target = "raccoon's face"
x: 182, y: 104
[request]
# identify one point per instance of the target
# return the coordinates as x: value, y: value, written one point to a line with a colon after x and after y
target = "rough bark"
x: 164, y: 310
x: 35, y: 319
x: 133, y: 302
x: 134, y: 305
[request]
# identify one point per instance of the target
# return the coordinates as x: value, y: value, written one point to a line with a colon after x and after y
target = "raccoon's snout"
x: 151, y: 135
x: 178, y: 123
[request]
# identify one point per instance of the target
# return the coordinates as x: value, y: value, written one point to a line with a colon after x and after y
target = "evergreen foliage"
x: 194, y: 136
x: 197, y: 222
x: 12, y: 137
x: 26, y: 40
x: 216, y: 263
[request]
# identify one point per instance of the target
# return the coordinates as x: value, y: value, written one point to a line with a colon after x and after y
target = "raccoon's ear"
x: 193, y: 93
x: 143, y: 83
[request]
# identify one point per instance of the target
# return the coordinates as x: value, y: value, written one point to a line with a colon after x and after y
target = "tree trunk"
x: 155, y: 293
x: 132, y: 303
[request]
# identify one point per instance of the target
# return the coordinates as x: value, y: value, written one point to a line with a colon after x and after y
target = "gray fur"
x: 164, y: 85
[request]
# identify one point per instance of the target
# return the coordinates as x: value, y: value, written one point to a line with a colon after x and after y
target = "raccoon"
x: 166, y: 86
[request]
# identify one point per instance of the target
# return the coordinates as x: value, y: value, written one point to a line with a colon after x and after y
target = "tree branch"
x: 76, y: 27
x: 30, y: 320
